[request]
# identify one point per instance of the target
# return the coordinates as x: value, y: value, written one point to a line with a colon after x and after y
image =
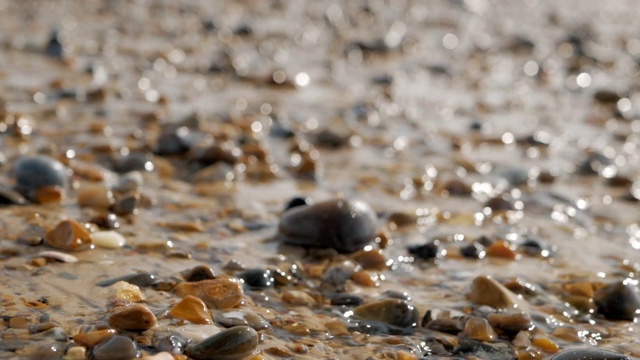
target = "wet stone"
x: 134, y: 317
x: 257, y: 279
x: 342, y: 299
x: 174, y: 142
x: 510, y: 324
x: 134, y: 162
x: 172, y: 344
x: 54, y: 47
x: 477, y: 328
x: 344, y: 225
x: 487, y: 291
x: 482, y: 350
x: 117, y: 347
x: 36, y: 172
x: 126, y: 205
x: 142, y: 279
x: 192, y: 309
x: 233, y: 343
x: 400, y: 316
x: 199, y: 273
x: 69, y: 235
x: 618, y: 301
x: 589, y: 354
x: 106, y: 222
x: 92, y: 338
x: 230, y: 319
x: 297, y: 201
x: 475, y: 250
x: 220, y: 293
x: 427, y: 251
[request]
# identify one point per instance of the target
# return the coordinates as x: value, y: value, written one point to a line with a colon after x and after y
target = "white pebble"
x: 57, y: 255
x: 108, y: 239
x: 196, y: 333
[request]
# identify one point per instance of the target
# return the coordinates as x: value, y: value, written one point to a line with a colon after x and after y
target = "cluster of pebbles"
x: 371, y: 180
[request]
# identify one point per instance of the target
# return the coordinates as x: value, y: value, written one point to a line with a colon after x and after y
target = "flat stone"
x: 220, y: 293
x: 134, y: 317
x: 485, y: 290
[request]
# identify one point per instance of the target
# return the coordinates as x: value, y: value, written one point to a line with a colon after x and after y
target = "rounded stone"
x: 35, y: 172
x: 341, y: 224
x: 234, y: 343
x: 116, y: 347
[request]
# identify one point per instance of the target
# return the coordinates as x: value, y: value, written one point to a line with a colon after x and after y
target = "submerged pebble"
x: 399, y: 314
x: 233, y: 343
x: 134, y: 317
x: 220, y: 293
x: 589, y: 354
x: 487, y: 291
x: 257, y: 279
x: 198, y: 273
x: 142, y: 279
x: 116, y: 347
x: 344, y: 225
x: 618, y: 301
x: 36, y: 172
x: 192, y: 309
x: 233, y: 318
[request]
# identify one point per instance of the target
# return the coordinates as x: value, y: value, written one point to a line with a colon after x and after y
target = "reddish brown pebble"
x: 69, y: 235
x: 134, y: 317
x: 192, y: 309
x: 220, y: 293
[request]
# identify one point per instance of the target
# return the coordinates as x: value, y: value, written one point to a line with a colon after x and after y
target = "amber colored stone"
x: 336, y: 328
x: 545, y: 344
x: 49, y: 194
x: 477, y: 328
x: 501, y: 249
x: 220, y: 293
x: 403, y: 355
x: 90, y: 339
x: 366, y: 278
x: 487, y: 291
x: 371, y: 259
x: 297, y: 297
x: 581, y: 288
x: 192, y: 309
x: 134, y: 317
x: 69, y: 235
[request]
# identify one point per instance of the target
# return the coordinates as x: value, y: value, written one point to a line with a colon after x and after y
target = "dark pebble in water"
x: 229, y: 344
x: 257, y: 279
x: 499, y: 204
x: 173, y: 142
x: 199, y: 273
x: 227, y: 153
x: 54, y: 47
x: 589, y: 354
x: 297, y: 201
x: 476, y: 125
x: 446, y: 325
x: 482, y: 350
x: 127, y: 204
x: 172, y: 344
x: 38, y: 351
x: 532, y: 247
x: 593, y: 164
x: 345, y: 225
x: 606, y: 96
x: 457, y: 187
x: 484, y: 241
x: 428, y: 251
x: 618, y: 301
x: 141, y: 279
x: 342, y: 299
x: 35, y: 172
x: 475, y: 250
x: 11, y: 197
x: 106, y: 222
x: 401, y: 316
x: 117, y: 347
x: 134, y: 162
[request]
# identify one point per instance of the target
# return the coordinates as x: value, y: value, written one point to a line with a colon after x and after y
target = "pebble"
x: 192, y: 309
x: 142, y: 279
x: 618, y: 301
x: 342, y: 299
x: 55, y: 333
x: 54, y: 46
x: 371, y: 259
x: 227, y: 153
x: 134, y: 162
x: 510, y: 323
x: 126, y: 205
x: 427, y: 251
x: 172, y: 344
x: 130, y: 182
x: 298, y: 298
x: 92, y: 338
x: 59, y: 256
x: 35, y: 172
x: 106, y: 221
x: 159, y: 356
x: 297, y: 201
x: 478, y: 328
x: 474, y: 250
x: 230, y: 319
x: 487, y: 291
x: 116, y: 347
x: 589, y: 354
x: 128, y: 292
x: 220, y: 293
x: 344, y: 225
x: 135, y: 317
x: 474, y: 349
x: 174, y: 141
x: 108, y: 239
x: 75, y: 353
x: 198, y: 273
x: 394, y: 312
x: 95, y: 196
x: 257, y: 279
x: 69, y: 235
x: 233, y: 343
